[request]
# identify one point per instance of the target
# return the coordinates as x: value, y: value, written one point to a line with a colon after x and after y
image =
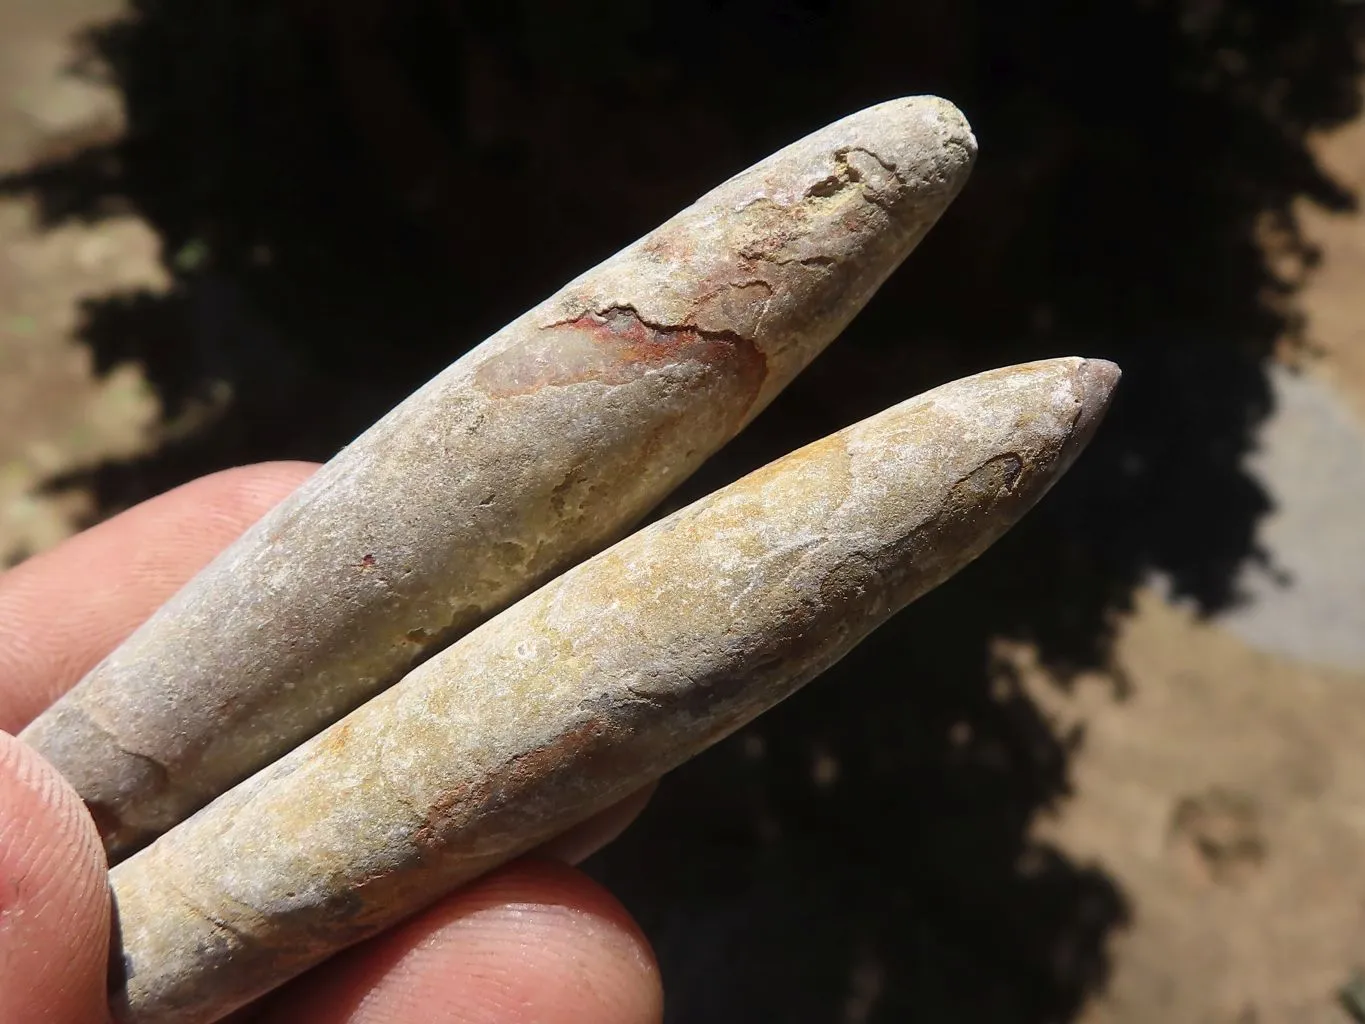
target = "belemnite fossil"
x: 408, y: 674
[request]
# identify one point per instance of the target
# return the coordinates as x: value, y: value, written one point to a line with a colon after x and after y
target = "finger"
x: 535, y: 942
x: 62, y: 611
x: 586, y: 838
x: 572, y: 847
x: 54, y: 901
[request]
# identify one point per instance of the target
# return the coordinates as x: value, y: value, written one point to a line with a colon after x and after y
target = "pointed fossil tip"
x: 914, y: 130
x: 1096, y: 380
x: 1100, y: 376
x: 942, y: 115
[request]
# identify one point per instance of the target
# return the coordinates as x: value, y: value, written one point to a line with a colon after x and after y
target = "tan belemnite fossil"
x: 595, y: 684
x: 545, y: 443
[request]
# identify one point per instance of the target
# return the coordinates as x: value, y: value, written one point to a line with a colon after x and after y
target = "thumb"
x: 54, y: 896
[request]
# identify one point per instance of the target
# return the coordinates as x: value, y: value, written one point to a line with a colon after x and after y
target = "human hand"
x: 533, y: 941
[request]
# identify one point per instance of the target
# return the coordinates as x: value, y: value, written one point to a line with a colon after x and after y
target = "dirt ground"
x: 1226, y: 794
x: 56, y: 412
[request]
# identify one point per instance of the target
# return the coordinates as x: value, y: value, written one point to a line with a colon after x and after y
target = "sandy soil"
x: 1225, y: 795
x: 1331, y: 298
x: 57, y: 413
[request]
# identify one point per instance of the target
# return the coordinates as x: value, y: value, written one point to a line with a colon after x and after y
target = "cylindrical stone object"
x: 539, y: 447
x: 589, y: 688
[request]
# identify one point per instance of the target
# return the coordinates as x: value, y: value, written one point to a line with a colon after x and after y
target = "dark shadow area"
x: 352, y: 194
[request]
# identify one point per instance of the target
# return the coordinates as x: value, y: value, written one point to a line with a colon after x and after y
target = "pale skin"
x: 536, y: 941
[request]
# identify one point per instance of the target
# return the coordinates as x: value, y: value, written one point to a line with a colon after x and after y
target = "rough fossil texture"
x: 536, y: 449
x: 602, y: 680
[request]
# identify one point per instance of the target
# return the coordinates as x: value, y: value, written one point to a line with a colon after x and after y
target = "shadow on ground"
x: 352, y: 194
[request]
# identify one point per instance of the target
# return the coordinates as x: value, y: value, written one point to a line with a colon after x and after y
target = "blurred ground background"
x: 1112, y: 773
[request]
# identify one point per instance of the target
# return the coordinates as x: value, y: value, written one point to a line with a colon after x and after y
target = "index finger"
x: 64, y: 610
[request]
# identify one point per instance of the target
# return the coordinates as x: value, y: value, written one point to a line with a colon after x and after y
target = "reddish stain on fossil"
x: 616, y: 346
x: 590, y: 747
x: 335, y: 739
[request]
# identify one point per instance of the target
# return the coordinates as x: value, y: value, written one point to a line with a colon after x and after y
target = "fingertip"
x: 54, y: 897
x: 63, y: 610
x: 536, y: 941
x: 229, y: 501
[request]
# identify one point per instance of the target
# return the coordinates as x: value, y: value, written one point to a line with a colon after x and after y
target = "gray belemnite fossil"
x: 538, y: 448
x: 595, y: 684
